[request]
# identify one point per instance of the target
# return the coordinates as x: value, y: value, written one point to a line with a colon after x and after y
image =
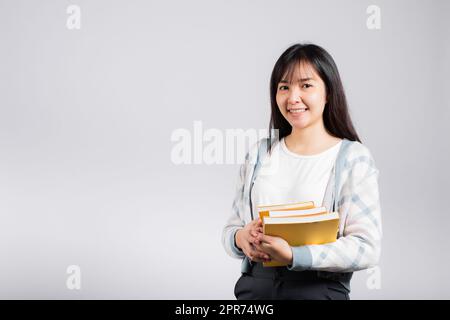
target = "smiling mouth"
x: 298, y: 110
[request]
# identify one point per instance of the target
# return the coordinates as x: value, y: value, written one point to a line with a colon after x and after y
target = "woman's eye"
x: 283, y: 88
x: 306, y: 85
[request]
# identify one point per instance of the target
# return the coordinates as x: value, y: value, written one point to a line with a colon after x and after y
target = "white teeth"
x: 297, y: 110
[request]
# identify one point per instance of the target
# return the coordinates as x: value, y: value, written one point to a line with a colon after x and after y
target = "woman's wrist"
x: 291, y: 259
x: 237, y: 239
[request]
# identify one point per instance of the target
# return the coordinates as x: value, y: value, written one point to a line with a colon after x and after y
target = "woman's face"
x: 303, y: 100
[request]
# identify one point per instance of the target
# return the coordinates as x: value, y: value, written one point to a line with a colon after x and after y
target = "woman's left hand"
x: 277, y: 248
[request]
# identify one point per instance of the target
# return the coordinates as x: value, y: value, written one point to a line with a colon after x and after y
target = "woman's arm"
x: 359, y: 247
x: 235, y: 222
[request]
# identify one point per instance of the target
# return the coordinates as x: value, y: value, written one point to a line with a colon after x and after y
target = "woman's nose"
x: 294, y: 96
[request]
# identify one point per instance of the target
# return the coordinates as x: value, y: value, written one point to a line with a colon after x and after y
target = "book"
x: 297, y: 230
x: 297, y: 213
x: 264, y: 210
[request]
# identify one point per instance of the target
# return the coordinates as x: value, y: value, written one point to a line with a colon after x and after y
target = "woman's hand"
x: 276, y: 247
x: 246, y: 238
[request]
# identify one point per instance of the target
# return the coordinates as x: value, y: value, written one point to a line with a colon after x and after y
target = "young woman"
x: 317, y: 155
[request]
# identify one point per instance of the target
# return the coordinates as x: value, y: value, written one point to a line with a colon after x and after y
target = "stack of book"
x: 299, y: 224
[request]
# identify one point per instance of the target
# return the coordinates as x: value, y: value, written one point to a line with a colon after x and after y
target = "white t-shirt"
x: 287, y: 177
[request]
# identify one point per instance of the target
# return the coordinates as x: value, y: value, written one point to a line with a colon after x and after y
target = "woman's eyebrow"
x: 301, y: 80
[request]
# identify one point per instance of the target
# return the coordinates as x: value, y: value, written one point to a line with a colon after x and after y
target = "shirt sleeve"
x: 235, y: 221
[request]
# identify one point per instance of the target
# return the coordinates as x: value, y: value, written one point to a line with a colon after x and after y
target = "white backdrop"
x: 86, y: 118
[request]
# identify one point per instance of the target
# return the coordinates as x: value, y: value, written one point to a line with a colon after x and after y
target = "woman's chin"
x: 299, y: 124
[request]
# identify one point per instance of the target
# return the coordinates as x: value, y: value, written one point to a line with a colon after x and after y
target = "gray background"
x: 86, y: 117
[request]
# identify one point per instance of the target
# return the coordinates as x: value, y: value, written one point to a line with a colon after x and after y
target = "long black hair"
x: 336, y: 117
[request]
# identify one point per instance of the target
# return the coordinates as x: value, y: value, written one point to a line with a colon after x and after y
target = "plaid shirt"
x: 352, y: 191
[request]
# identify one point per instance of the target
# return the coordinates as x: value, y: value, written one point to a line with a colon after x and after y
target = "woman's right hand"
x: 246, y: 237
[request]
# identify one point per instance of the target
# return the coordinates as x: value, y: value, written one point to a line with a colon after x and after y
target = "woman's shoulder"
x: 357, y: 153
x: 356, y: 147
x: 255, y: 148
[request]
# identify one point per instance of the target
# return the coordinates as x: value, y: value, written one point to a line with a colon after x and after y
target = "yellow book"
x: 302, y: 230
x: 297, y: 213
x: 264, y: 210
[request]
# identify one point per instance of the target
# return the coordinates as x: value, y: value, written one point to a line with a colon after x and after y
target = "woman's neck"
x: 311, y: 140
